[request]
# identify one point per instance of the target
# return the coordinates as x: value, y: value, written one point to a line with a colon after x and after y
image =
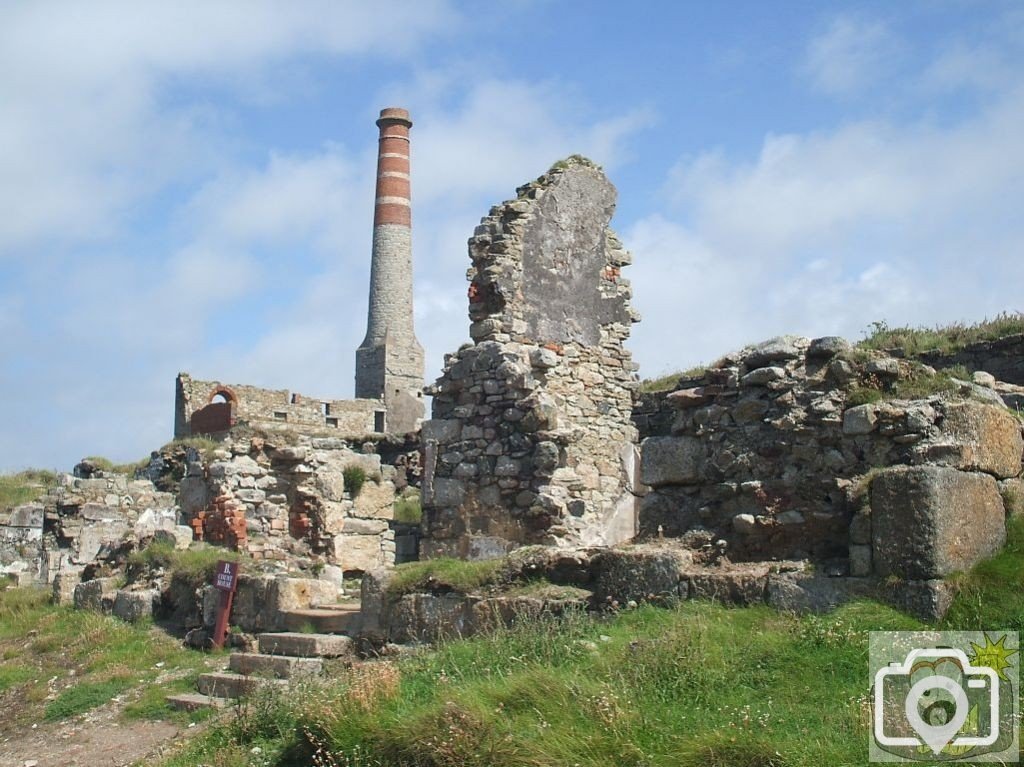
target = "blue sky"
x: 188, y: 186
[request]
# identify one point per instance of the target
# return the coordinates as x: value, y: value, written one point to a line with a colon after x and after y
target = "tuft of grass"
x: 408, y: 508
x: 85, y: 697
x: 195, y: 566
x: 445, y: 574
x: 942, y: 338
x: 204, y: 445
x: 864, y: 395
x: 354, y: 477
x: 670, y: 381
x: 25, y: 486
x: 105, y: 464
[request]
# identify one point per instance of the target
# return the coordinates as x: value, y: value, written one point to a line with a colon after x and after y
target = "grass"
x: 195, y: 566
x: 24, y: 487
x: 105, y: 464
x: 669, y: 381
x: 408, y: 509
x: 696, y: 685
x: 354, y: 477
x: 942, y: 338
x: 445, y: 574
x: 57, y: 662
x: 921, y: 384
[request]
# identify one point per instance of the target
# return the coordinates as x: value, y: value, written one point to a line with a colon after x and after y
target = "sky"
x: 188, y: 186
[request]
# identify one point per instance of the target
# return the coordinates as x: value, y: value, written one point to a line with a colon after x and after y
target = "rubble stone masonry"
x: 531, y: 440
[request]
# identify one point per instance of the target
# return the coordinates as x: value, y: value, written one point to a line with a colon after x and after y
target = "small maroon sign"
x: 227, y: 576
x: 225, y: 580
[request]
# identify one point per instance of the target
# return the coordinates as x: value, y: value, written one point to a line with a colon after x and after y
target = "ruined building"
x: 389, y: 362
x: 531, y: 440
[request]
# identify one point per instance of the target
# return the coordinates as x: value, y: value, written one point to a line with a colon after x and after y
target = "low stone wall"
x: 622, y: 577
x: 1002, y: 358
x: 767, y: 459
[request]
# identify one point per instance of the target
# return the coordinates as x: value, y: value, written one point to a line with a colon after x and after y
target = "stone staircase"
x: 312, y: 636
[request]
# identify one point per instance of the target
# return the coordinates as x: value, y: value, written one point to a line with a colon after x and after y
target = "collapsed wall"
x: 798, y: 449
x: 83, y: 522
x: 531, y: 440
x: 292, y: 502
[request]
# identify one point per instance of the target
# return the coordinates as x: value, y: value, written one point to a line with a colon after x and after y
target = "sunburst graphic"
x: 994, y: 655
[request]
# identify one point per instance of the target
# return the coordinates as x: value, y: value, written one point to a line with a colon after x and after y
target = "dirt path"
x: 97, y: 739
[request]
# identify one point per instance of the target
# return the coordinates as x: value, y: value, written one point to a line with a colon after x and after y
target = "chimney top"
x: 394, y: 116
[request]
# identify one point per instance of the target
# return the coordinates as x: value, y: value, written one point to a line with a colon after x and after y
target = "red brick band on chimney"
x: 392, y: 202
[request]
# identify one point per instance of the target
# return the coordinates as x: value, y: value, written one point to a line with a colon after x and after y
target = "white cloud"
x: 86, y: 132
x: 825, y: 232
x: 849, y: 55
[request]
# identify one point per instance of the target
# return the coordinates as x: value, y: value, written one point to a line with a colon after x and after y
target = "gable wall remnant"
x: 531, y: 439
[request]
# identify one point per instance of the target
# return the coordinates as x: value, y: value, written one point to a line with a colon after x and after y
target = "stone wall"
x: 290, y: 502
x: 197, y: 412
x: 531, y: 439
x: 83, y: 522
x: 1003, y: 358
x: 768, y: 459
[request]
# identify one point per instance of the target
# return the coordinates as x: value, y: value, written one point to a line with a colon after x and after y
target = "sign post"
x: 225, y: 581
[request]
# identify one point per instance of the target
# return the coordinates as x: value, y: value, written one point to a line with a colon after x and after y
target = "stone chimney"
x: 389, y: 362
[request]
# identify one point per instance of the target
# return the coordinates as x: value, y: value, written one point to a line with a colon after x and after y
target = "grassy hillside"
x: 700, y: 685
x: 57, y: 662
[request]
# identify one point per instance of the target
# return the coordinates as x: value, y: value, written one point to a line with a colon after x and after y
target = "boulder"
x: 931, y: 521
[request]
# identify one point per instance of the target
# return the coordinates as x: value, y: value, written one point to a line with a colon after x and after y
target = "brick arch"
x: 215, y: 417
x: 227, y: 392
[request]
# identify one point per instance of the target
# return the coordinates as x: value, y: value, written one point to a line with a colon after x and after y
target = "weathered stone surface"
x: 861, y: 419
x: 730, y: 588
x: 762, y: 376
x: 775, y: 349
x: 358, y: 552
x: 989, y: 438
x: 639, y: 574
x: 135, y: 605
x: 928, y: 600
x: 826, y: 347
x: 931, y: 521
x: 801, y: 593
x: 97, y: 594
x: 1012, y: 491
x: 671, y: 460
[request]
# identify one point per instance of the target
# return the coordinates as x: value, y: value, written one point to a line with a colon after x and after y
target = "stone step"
x: 324, y: 620
x: 301, y: 645
x: 278, y: 666
x: 192, y: 701
x: 222, y: 684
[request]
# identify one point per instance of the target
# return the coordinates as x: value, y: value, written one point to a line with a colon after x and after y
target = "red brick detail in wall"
x: 212, y: 419
x: 299, y: 522
x: 393, y: 186
x: 223, y: 524
x: 393, y: 165
x: 387, y: 213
